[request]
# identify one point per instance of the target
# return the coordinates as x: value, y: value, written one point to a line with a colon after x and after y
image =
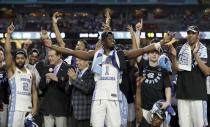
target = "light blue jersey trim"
x: 123, y: 105
x: 205, y: 119
x: 10, y: 119
x: 12, y: 104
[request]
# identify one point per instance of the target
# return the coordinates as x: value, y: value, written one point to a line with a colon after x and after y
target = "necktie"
x: 55, y: 70
x: 79, y: 74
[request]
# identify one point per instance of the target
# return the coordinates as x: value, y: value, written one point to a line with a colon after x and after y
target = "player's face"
x: 33, y: 58
x: 110, y: 42
x: 80, y: 46
x: 192, y: 37
x: 156, y: 121
x: 20, y: 60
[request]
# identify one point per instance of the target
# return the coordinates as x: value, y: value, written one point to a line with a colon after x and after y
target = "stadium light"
x: 1, y: 35
x: 160, y: 35
x: 63, y: 35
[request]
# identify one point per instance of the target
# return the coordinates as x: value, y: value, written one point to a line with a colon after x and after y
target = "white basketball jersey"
x: 107, y: 84
x: 20, y: 86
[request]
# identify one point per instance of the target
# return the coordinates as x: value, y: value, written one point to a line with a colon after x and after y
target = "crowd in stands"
x: 160, y: 18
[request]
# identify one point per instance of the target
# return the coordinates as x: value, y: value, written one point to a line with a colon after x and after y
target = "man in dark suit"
x: 54, y: 106
x: 83, y: 85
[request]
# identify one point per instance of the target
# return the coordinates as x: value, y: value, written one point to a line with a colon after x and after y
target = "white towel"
x: 98, y: 60
x: 185, y: 56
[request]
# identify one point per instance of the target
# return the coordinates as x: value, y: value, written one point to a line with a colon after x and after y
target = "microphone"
x: 50, y: 70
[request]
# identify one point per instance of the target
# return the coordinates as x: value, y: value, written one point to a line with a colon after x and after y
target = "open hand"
x: 197, y: 46
x: 173, y: 40
x: 44, y: 35
x: 130, y: 28
x: 45, y: 38
x: 167, y: 37
x: 139, y: 25
x: 106, y: 28
x: 72, y: 74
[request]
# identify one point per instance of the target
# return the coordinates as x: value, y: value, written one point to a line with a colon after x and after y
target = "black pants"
x: 79, y: 123
x: 39, y: 119
x: 174, y: 119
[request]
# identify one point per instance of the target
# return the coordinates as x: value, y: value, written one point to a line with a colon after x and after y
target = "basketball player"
x: 23, y: 98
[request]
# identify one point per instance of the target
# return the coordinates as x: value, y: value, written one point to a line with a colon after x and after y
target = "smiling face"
x: 81, y: 64
x: 33, y: 58
x: 53, y: 57
x: 81, y: 45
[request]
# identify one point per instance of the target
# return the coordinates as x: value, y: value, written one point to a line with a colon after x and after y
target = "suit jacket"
x: 55, y: 101
x: 82, y: 92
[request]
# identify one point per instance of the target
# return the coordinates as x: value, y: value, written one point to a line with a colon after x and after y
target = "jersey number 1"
x: 107, y: 70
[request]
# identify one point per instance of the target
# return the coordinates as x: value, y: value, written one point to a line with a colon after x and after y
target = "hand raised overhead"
x: 10, y: 28
x: 45, y: 38
x: 139, y: 25
x: 44, y: 35
x: 130, y: 28
x: 167, y: 37
x: 106, y: 28
x: 56, y: 17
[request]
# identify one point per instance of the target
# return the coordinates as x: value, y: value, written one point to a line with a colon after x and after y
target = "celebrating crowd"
x: 108, y: 86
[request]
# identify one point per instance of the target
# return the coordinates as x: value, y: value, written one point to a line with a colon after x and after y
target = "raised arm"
x: 173, y: 59
x: 133, y: 38
x: 7, y: 47
x: 85, y: 55
x: 108, y: 17
x: 106, y: 25
x: 137, y: 52
x: 59, y: 39
x: 139, y: 26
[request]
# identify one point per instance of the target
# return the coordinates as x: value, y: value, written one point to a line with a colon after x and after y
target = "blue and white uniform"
x: 20, y: 98
x: 107, y: 96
